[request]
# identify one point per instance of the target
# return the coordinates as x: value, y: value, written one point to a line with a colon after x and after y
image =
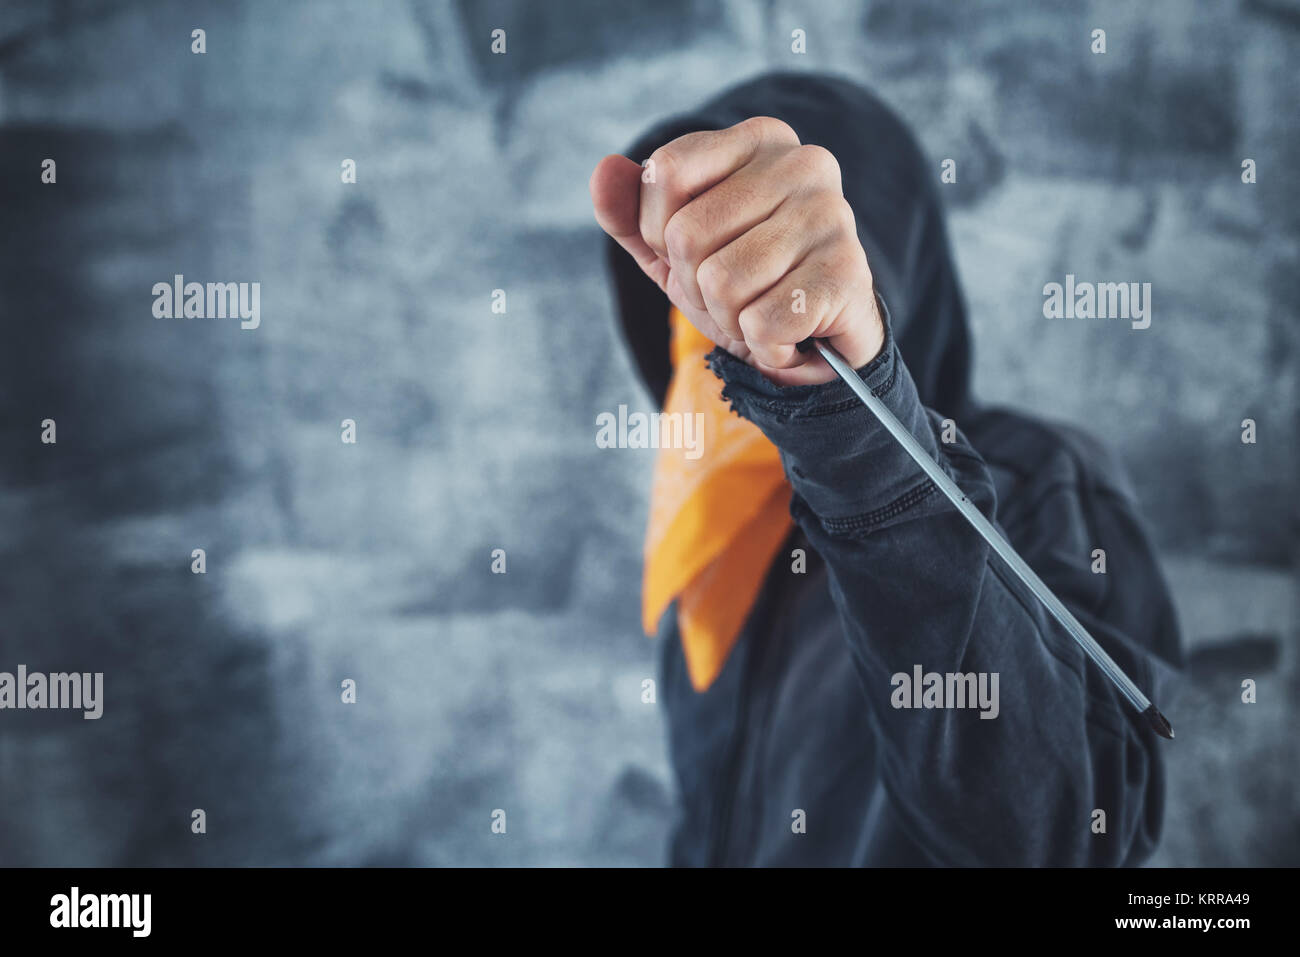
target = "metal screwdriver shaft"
x: 994, y: 538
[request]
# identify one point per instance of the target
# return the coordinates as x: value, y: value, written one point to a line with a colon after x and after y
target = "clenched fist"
x: 748, y: 233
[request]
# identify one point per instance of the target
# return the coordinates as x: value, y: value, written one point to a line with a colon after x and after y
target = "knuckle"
x: 782, y: 356
x: 768, y: 129
x: 819, y: 162
x: 665, y: 161
x: 715, y: 281
x: 840, y: 213
x: 680, y: 238
x: 755, y: 321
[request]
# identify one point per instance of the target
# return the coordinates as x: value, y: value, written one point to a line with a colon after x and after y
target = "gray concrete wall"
x: 475, y: 430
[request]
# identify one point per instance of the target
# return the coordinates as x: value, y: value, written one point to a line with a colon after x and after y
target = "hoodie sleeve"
x: 1056, y: 769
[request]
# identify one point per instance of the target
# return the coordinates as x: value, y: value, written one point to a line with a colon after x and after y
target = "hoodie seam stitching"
x: 867, y: 521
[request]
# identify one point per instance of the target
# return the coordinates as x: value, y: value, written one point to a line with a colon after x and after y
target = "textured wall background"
x: 475, y: 431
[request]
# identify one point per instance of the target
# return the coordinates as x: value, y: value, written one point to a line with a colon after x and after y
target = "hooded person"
x: 849, y: 675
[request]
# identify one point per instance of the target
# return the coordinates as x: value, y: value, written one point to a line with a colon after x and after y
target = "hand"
x: 748, y: 233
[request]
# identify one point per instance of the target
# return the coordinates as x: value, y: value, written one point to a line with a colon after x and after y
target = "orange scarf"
x: 716, y: 521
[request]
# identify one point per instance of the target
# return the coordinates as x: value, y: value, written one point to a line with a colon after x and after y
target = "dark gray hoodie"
x: 815, y: 745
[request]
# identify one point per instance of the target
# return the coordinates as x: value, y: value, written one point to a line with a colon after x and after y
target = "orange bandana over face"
x: 716, y: 520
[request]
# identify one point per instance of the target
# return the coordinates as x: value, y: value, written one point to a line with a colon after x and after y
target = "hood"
x: 893, y: 192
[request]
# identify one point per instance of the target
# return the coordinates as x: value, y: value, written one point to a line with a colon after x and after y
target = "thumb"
x: 615, y: 187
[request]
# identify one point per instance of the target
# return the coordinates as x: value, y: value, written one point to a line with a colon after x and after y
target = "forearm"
x: 916, y: 587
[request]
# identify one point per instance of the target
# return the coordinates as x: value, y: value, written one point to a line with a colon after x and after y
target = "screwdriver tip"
x: 1159, y: 723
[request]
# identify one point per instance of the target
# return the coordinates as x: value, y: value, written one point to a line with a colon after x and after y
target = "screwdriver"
x: 976, y: 518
